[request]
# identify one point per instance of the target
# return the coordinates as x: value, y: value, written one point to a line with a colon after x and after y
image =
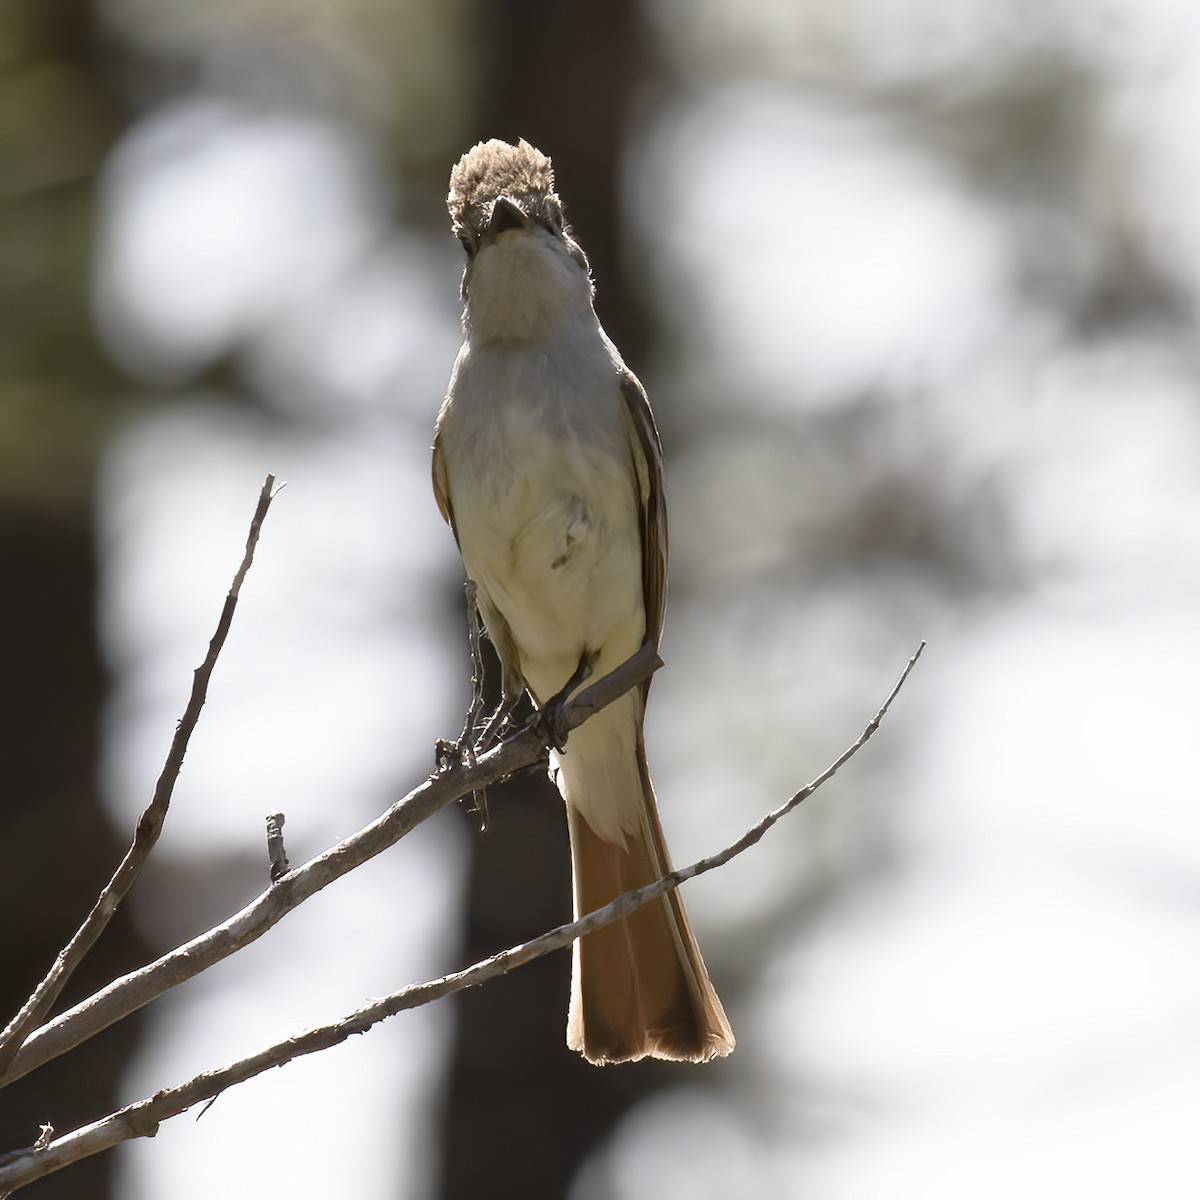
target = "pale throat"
x: 525, y: 286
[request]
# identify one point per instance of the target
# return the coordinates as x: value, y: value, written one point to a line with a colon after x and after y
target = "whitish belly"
x: 549, y: 531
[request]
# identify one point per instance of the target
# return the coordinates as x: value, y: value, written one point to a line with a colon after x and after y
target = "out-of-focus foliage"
x: 57, y: 121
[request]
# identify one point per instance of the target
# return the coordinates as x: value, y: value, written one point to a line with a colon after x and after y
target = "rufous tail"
x: 639, y: 986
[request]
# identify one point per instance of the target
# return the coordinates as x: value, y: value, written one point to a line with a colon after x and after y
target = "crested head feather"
x: 495, y: 168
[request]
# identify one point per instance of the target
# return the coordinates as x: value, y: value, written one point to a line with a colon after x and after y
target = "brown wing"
x: 441, y: 484
x: 513, y: 682
x: 652, y: 502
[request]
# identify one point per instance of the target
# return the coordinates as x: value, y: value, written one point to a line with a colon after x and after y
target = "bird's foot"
x: 550, y: 720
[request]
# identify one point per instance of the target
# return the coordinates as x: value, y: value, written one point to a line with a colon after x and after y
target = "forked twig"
x: 33, y: 1011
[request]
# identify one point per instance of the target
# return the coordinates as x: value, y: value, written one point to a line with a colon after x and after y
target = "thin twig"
x: 753, y: 835
x: 135, y: 990
x: 149, y: 825
x: 473, y: 641
x: 466, y: 744
x: 143, y: 1118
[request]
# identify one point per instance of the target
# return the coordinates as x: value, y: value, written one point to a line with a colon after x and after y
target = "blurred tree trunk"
x: 522, y: 1112
x: 56, y: 849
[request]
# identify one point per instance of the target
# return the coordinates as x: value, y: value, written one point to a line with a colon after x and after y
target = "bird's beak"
x: 507, y: 213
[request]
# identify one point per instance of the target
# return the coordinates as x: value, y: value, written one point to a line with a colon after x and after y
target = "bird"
x: 547, y: 465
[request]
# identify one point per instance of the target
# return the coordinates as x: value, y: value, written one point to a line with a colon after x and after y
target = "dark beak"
x: 506, y: 214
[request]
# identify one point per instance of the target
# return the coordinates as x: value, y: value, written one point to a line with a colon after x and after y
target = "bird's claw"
x: 551, y: 723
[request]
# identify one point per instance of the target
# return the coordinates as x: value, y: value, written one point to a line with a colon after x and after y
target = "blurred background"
x: 914, y: 289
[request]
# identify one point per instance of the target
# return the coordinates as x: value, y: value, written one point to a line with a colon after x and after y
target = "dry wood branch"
x: 143, y: 1118
x: 135, y: 990
x: 149, y: 825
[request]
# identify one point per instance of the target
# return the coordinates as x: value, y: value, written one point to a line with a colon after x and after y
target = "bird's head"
x: 524, y: 270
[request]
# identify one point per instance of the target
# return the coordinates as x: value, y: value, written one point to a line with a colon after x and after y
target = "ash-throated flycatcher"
x: 547, y: 465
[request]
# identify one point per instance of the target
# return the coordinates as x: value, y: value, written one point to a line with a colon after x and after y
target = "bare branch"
x: 753, y: 835
x: 149, y: 825
x: 135, y: 990
x: 143, y: 1118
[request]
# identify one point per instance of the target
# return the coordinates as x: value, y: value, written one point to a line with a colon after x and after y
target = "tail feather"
x: 639, y: 986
